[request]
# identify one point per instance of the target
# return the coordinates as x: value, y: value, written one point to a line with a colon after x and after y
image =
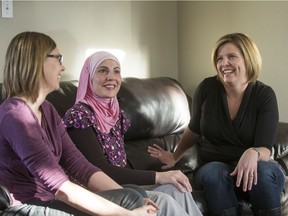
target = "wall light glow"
x: 120, y: 54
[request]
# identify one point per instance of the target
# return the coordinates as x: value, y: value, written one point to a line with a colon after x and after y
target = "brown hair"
x: 249, y: 50
x: 23, y: 69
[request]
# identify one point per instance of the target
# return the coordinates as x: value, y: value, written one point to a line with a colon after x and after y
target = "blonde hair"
x: 249, y: 50
x: 23, y: 69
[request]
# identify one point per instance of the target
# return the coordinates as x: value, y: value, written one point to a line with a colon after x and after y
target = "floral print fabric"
x: 80, y: 116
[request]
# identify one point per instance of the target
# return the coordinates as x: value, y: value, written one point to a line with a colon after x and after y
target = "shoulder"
x: 14, y: 108
x: 262, y: 90
x: 124, y: 121
x: 15, y: 115
x: 208, y: 83
x: 205, y: 87
x: 262, y: 87
x: 122, y: 115
x: 262, y: 96
x: 79, y: 116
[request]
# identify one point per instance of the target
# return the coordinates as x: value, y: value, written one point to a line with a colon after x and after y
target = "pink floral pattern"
x: 80, y: 116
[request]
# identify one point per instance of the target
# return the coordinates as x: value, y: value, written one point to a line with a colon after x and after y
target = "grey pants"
x: 179, y: 204
x: 127, y: 198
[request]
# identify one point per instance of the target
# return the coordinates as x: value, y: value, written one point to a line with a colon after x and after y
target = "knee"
x: 175, y: 193
x: 270, y: 174
x: 162, y: 199
x: 215, y: 173
x: 136, y: 188
x: 131, y: 199
x: 127, y: 198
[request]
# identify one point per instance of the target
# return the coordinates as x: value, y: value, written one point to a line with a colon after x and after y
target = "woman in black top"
x: 234, y: 123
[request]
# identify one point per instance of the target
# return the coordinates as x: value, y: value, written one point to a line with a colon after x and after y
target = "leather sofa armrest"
x: 281, y: 146
x: 5, y: 198
x: 284, y: 163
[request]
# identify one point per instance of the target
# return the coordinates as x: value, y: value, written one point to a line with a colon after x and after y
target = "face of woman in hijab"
x: 107, y: 79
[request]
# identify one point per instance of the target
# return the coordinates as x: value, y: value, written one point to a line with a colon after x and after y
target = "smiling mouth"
x: 226, y: 72
x: 110, y: 86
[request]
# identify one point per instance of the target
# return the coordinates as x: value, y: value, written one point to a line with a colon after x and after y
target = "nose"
x: 225, y: 61
x: 62, y: 68
x: 110, y: 76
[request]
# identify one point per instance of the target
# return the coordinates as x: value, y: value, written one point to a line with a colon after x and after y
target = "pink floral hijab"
x: 106, y: 110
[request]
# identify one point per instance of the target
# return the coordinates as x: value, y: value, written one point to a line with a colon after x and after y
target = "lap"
x: 127, y: 198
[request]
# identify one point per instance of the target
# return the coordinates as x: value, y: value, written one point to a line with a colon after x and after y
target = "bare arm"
x: 188, y: 139
x: 100, y: 181
x: 93, y: 204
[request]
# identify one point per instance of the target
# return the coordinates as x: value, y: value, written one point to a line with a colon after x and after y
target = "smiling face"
x: 107, y: 79
x: 231, y: 65
x: 52, y: 72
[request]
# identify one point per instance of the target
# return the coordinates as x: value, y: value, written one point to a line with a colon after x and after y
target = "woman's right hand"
x: 146, y: 210
x: 165, y: 157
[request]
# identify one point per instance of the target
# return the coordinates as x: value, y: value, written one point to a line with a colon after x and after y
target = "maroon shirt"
x: 35, y: 160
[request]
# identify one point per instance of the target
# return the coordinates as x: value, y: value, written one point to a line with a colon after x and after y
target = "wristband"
x: 257, y: 150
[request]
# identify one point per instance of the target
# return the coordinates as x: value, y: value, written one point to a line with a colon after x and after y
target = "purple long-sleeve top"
x: 35, y: 160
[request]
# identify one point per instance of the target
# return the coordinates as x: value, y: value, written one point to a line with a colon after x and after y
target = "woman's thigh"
x: 55, y: 208
x: 213, y: 174
x: 127, y: 198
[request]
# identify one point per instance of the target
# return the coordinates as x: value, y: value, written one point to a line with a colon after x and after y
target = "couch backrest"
x: 158, y: 109
x: 155, y: 106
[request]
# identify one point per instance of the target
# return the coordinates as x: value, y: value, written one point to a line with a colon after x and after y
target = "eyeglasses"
x: 59, y: 57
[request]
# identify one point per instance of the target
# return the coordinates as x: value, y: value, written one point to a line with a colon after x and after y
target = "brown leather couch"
x: 159, y: 111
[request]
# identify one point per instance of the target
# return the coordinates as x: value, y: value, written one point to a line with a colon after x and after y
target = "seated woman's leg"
x: 185, y: 200
x: 167, y: 205
x: 53, y: 208
x: 137, y: 188
x: 127, y: 198
x: 215, y: 180
x: 266, y: 195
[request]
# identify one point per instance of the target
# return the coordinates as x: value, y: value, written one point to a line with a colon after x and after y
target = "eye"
x: 232, y: 56
x: 219, y: 58
x: 117, y: 71
x: 102, y: 70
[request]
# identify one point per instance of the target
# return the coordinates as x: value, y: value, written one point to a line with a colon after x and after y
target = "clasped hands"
x: 245, y: 171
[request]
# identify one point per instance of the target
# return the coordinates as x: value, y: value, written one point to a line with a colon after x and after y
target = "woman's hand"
x: 165, y: 157
x: 149, y: 208
x: 148, y: 201
x: 146, y: 210
x: 175, y: 177
x: 246, y: 170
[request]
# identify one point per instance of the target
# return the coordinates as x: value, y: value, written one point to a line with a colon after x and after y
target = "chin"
x: 57, y: 87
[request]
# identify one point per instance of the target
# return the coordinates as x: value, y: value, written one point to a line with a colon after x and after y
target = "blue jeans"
x: 221, y: 191
x: 127, y: 198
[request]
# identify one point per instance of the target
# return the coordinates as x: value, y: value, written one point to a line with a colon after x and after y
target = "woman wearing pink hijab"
x: 97, y: 126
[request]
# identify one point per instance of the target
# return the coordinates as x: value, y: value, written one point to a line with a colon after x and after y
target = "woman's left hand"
x: 246, y: 170
x: 165, y: 157
x: 148, y: 201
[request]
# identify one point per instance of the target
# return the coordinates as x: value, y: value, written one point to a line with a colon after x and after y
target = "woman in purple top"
x: 37, y: 156
x: 97, y: 126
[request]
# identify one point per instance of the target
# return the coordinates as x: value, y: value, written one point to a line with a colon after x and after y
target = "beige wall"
x: 200, y: 24
x: 145, y: 31
x: 153, y: 33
